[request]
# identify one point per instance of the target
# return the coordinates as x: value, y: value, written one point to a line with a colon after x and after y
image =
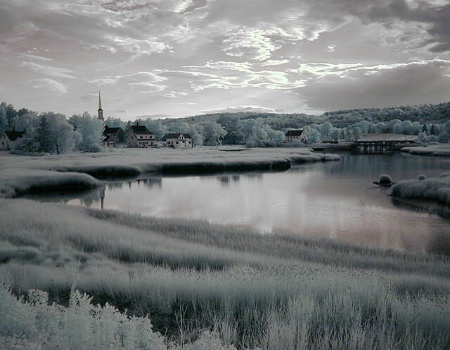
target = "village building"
x: 9, y: 138
x: 139, y: 136
x: 296, y: 135
x: 178, y: 140
x: 113, y: 136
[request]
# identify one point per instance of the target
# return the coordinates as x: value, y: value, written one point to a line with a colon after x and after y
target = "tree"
x: 43, y: 138
x: 422, y: 137
x: 356, y: 133
x: 212, y: 133
x: 258, y: 136
x: 91, y: 130
x: 3, y: 120
x: 406, y: 127
x: 433, y: 130
x: 156, y: 127
x: 397, y: 128
x: 335, y: 134
x: 53, y: 134
x: 230, y: 122
x: 62, y: 135
x: 314, y: 136
x: 444, y: 137
x: 27, y: 122
x: 275, y: 137
x: 325, y: 129
x: 11, y: 115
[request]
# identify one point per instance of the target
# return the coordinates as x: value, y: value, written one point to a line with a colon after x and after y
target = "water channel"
x: 335, y: 200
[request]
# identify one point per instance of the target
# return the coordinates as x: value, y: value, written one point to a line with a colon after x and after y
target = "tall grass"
x: 208, y: 285
x: 245, y: 239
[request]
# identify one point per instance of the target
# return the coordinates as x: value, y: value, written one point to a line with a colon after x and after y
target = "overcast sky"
x: 173, y: 58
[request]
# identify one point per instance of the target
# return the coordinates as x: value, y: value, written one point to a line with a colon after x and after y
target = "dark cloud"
x: 390, y: 12
x: 405, y: 85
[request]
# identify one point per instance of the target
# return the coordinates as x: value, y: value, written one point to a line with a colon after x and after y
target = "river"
x: 335, y: 200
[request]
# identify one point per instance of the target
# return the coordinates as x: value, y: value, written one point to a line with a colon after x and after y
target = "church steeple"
x: 100, y: 110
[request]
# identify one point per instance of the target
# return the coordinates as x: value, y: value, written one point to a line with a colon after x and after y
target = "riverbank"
x: 194, y: 285
x: 440, y: 150
x: 21, y: 174
x: 435, y: 189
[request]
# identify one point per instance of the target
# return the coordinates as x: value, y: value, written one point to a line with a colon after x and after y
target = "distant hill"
x: 428, y: 113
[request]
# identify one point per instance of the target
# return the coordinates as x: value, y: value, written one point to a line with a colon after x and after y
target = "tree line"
x: 53, y: 133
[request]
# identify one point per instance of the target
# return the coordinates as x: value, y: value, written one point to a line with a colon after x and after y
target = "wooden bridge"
x: 380, y: 146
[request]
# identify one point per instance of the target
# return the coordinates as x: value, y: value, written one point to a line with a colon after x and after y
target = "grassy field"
x: 185, y: 284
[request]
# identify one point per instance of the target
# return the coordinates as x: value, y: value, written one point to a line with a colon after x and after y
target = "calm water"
x: 336, y: 200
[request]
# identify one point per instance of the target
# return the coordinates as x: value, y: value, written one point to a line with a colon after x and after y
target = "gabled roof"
x: 109, y: 130
x: 298, y: 132
x: 14, y: 135
x: 140, y: 129
x: 176, y: 135
x: 110, y: 137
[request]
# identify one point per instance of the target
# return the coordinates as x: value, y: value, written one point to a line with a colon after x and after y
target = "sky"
x: 168, y: 58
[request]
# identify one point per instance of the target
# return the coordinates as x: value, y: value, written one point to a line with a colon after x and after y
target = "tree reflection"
x: 226, y: 180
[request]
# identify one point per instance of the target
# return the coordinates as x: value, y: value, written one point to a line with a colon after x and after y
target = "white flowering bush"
x: 81, y: 325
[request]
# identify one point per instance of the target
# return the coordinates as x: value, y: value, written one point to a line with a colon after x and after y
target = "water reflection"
x: 226, y: 180
x: 150, y: 182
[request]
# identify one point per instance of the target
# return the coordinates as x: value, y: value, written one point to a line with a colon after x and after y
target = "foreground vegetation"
x: 166, y: 284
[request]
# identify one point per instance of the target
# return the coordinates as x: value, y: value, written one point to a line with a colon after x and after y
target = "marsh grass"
x: 13, y: 183
x: 437, y: 189
x: 192, y: 284
x: 246, y: 239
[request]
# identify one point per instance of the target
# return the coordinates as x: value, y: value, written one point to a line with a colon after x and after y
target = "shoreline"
x: 22, y: 174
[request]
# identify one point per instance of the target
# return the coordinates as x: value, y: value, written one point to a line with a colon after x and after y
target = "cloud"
x: 147, y: 87
x: 139, y: 46
x: 242, y: 109
x: 36, y: 57
x: 50, y: 84
x: 48, y: 70
x: 254, y: 44
x: 189, y: 6
x: 126, y: 5
x: 433, y: 15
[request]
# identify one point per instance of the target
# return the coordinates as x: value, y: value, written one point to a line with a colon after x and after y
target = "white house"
x: 9, y: 138
x: 293, y: 135
x: 178, y: 140
x: 139, y: 136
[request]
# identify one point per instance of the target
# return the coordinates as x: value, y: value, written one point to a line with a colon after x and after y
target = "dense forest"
x: 55, y: 133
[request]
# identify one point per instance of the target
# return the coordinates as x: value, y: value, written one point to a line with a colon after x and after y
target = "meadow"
x: 78, y: 278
